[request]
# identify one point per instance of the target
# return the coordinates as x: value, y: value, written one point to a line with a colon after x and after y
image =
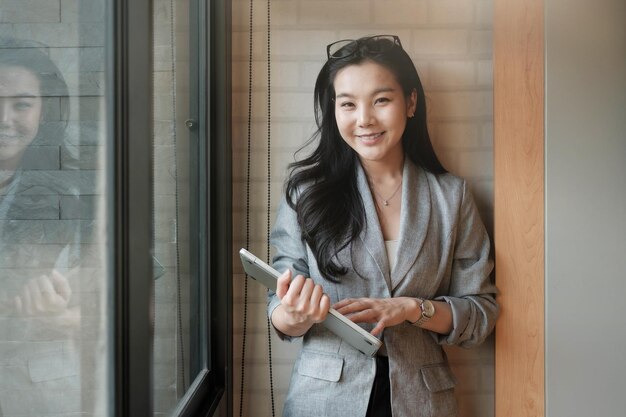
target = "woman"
x: 36, y: 299
x: 373, y: 225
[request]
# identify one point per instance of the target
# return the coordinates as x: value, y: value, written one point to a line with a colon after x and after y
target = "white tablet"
x: 336, y: 322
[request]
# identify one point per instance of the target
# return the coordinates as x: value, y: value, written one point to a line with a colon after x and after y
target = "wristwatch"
x: 428, y: 311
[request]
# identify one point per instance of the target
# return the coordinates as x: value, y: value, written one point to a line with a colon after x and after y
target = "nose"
x: 5, y: 113
x: 365, y: 116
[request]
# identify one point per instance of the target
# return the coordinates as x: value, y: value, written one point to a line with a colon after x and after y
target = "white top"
x: 392, y: 252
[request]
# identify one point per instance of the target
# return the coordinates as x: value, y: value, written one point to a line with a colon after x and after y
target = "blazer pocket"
x: 438, y: 377
x: 320, y: 366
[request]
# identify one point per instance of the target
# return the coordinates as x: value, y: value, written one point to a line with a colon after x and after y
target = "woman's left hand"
x: 385, y: 312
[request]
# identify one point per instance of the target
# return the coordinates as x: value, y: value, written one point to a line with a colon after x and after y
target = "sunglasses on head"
x: 374, y: 44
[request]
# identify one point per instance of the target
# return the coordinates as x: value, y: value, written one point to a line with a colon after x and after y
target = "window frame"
x: 129, y: 114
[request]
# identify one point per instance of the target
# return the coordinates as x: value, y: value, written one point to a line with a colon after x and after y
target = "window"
x: 114, y: 208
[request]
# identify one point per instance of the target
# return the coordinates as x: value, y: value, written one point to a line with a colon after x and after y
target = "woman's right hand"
x: 302, y: 304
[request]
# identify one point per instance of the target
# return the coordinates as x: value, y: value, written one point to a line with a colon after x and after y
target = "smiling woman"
x: 40, y: 249
x: 413, y: 268
x: 20, y: 113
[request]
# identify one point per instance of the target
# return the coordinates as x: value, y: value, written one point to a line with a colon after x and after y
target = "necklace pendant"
x: 385, y: 202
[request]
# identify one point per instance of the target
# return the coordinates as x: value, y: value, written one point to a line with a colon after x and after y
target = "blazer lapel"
x: 372, y: 235
x: 414, y: 220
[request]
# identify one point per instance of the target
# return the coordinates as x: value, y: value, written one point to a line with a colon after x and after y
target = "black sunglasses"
x: 375, y: 44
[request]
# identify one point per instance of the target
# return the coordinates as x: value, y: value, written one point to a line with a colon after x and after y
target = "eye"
x: 23, y: 105
x: 382, y: 100
x: 346, y: 105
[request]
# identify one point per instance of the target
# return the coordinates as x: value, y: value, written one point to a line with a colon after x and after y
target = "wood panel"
x: 519, y: 206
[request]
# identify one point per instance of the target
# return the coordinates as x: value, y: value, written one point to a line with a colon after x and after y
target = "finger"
x: 378, y: 329
x: 36, y: 299
x: 324, y: 306
x: 295, y: 287
x: 307, y: 290
x: 282, y: 284
x: 61, y: 285
x: 342, y: 303
x: 27, y: 308
x: 316, y: 295
x: 365, y: 316
x: 19, y: 305
x: 354, y: 307
x: 48, y: 293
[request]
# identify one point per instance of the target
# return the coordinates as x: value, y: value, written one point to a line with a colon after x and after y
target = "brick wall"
x: 57, y: 204
x: 450, y: 42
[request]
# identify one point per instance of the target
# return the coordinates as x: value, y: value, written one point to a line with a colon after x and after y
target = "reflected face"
x: 20, y: 110
x: 371, y: 111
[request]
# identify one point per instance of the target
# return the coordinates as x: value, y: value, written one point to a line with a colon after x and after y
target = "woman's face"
x: 371, y: 112
x: 20, y: 110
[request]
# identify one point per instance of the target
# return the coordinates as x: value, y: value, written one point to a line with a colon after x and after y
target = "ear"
x: 411, y: 103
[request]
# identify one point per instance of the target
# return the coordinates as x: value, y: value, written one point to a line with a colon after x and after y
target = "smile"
x: 370, y: 137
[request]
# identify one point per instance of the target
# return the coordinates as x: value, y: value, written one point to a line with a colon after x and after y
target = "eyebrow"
x: 377, y: 91
x: 22, y: 95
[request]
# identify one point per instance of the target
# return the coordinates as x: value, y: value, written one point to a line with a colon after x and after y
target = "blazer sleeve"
x: 471, y: 294
x: 290, y: 253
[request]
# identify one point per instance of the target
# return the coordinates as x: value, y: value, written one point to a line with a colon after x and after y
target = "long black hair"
x: 33, y: 57
x: 322, y: 188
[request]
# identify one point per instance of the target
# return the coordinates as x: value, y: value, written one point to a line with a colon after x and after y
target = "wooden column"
x: 519, y: 206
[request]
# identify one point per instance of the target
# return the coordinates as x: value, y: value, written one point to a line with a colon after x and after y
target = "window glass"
x: 53, y: 275
x: 176, y: 211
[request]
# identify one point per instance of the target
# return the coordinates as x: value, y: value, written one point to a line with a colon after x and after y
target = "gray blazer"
x: 443, y: 254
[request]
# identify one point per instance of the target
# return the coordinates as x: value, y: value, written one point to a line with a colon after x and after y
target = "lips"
x: 370, y: 138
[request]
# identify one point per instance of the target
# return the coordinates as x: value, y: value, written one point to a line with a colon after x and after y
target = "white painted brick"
x: 82, y: 11
x: 474, y: 164
x: 258, y: 166
x: 309, y: 71
x: 484, y: 13
x: 295, y: 43
x: 452, y: 74
x: 31, y: 11
x: 457, y: 135
x: 258, y: 404
x: 62, y: 35
x: 240, y: 105
x: 411, y: 12
x: 440, y: 42
x: 256, y: 317
x: 258, y: 195
x: 282, y: 13
x: 462, y: 104
x: 325, y: 13
x: 282, y: 352
x: 257, y: 375
x: 287, y: 136
x: 294, y: 105
x: 283, y: 75
x: 487, y: 134
x: 451, y: 12
x: 240, y: 45
x: 481, y: 42
x: 258, y: 225
x: 485, y: 73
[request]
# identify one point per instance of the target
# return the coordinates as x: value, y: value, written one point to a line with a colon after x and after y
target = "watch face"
x: 428, y: 308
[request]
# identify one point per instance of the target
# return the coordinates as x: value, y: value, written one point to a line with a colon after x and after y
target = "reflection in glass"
x: 51, y: 257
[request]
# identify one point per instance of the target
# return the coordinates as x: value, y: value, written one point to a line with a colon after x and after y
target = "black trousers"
x: 380, y: 397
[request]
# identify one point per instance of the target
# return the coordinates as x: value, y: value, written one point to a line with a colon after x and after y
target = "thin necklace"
x: 386, y: 200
